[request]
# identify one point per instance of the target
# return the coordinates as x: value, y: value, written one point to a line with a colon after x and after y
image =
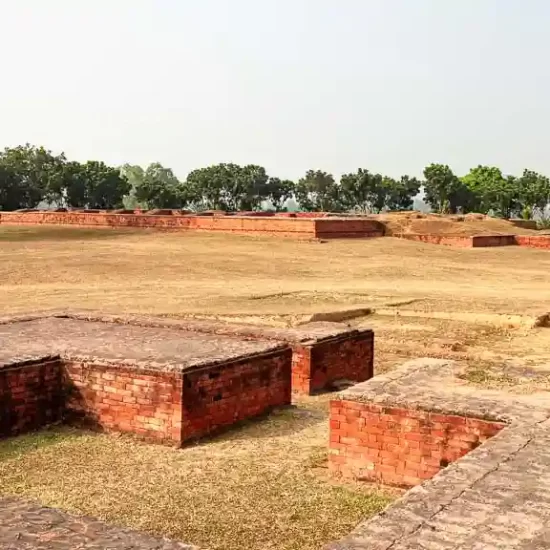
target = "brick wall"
x: 316, y: 366
x: 533, y: 241
x: 218, y: 397
x: 299, y: 227
x: 176, y: 407
x: 399, y: 446
x: 146, y: 403
x: 30, y: 396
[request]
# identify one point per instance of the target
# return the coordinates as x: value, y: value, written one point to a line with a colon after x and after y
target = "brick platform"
x: 164, y: 380
x: 302, y: 227
x: 486, y: 453
x: 479, y: 241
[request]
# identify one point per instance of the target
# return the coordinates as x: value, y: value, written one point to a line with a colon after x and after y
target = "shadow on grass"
x: 29, y: 234
x: 19, y: 445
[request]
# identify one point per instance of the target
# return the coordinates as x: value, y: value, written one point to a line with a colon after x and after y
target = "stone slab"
x: 162, y: 348
x: 29, y: 526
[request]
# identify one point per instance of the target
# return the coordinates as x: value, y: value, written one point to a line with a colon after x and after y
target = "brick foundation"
x: 30, y: 396
x: 317, y: 366
x: 302, y: 227
x: 172, y: 407
x: 398, y: 446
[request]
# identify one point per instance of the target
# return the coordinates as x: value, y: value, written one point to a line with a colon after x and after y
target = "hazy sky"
x: 389, y: 85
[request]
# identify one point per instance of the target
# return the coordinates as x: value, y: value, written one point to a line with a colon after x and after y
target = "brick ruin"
x: 477, y: 461
x: 165, y: 381
x: 299, y: 225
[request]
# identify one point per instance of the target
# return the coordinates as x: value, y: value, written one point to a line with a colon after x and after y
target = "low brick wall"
x: 177, y: 407
x: 167, y: 407
x: 533, y: 241
x: 303, y: 227
x: 317, y: 366
x: 220, y: 396
x: 479, y: 241
x: 31, y: 395
x: 398, y: 446
x: 124, y: 399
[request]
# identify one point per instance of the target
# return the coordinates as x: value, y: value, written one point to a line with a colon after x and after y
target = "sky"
x: 292, y: 85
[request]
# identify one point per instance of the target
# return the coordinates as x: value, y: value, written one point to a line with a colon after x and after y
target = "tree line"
x: 30, y: 175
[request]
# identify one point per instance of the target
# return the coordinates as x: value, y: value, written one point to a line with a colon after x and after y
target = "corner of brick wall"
x: 31, y: 396
x: 318, y: 365
x: 397, y: 446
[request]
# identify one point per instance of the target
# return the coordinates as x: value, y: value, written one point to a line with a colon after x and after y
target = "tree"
x: 156, y: 187
x: 279, y: 191
x: 363, y: 191
x: 134, y: 174
x: 492, y: 191
x: 75, y: 185
x: 443, y: 189
x: 12, y: 195
x: 317, y: 191
x: 533, y: 193
x: 37, y: 173
x: 248, y: 188
x: 402, y: 193
x: 229, y: 187
x: 105, y: 186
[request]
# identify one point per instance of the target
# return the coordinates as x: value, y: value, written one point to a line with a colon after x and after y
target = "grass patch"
x: 253, y: 488
x: 15, y: 447
x: 57, y: 233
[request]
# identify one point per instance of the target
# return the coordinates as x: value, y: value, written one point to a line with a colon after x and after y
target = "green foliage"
x: 29, y: 174
x: 444, y: 191
x: 279, y: 191
x: 533, y: 193
x: 105, y: 186
x: 317, y: 192
x: 155, y: 187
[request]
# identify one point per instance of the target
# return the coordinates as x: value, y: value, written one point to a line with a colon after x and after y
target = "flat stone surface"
x: 494, y: 498
x: 160, y: 348
x: 28, y: 526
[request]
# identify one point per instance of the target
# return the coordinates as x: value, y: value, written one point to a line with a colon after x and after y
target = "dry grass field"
x: 264, y: 486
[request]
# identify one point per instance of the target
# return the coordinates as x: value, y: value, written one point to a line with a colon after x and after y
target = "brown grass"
x: 258, y: 487
x: 263, y: 486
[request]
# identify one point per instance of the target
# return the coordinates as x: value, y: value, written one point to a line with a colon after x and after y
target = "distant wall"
x: 480, y: 241
x: 313, y: 227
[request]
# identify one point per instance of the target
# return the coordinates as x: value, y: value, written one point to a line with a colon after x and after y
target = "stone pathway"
x: 28, y: 526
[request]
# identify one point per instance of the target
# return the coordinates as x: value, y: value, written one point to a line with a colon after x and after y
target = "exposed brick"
x: 400, y: 446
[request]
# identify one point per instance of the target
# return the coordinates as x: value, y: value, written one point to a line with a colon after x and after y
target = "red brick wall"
x: 533, y: 241
x: 399, y: 446
x: 316, y: 366
x: 479, y: 241
x: 177, y: 407
x: 30, y: 396
x: 217, y: 397
x: 299, y: 227
x: 123, y: 399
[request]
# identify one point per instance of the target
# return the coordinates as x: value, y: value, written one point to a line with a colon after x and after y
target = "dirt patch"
x: 467, y: 225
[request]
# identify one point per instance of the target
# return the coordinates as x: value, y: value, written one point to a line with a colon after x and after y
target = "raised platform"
x: 310, y: 227
x: 165, y: 380
x: 479, y: 241
x: 485, y: 455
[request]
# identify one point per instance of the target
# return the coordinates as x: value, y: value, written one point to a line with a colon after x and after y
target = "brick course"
x: 30, y: 396
x: 317, y: 365
x: 399, y: 446
x: 304, y: 227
